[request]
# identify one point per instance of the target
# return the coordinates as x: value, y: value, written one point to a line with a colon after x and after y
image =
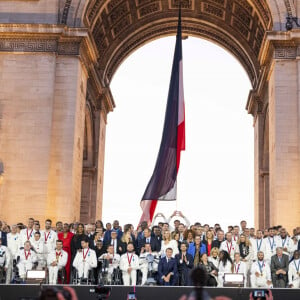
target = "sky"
x: 216, y: 174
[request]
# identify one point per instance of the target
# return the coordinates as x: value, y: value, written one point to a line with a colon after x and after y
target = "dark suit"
x: 154, y: 243
x: 280, y: 280
x: 164, y: 268
x: 184, y: 269
x: 216, y: 244
x: 121, y: 249
x: 4, y: 238
x: 298, y: 245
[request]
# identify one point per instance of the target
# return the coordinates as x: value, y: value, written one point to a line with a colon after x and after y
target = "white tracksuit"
x: 61, y: 258
x: 264, y: 275
x: 294, y: 278
x: 129, y: 260
x: 84, y: 261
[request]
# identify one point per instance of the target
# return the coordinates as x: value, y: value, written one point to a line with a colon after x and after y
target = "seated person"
x: 279, y: 268
x: 57, y: 259
x: 129, y: 263
x: 144, y: 264
x: 294, y: 271
x: 26, y: 258
x: 167, y: 269
x: 111, y: 261
x: 85, y: 259
x: 5, y: 259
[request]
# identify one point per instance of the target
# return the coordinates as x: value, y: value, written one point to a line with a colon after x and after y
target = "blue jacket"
x: 192, y: 249
x: 164, y: 268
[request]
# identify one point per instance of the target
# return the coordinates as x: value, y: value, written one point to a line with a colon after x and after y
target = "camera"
x: 260, y: 294
x: 103, y: 292
x: 131, y: 296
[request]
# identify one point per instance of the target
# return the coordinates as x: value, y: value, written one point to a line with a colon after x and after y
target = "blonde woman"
x: 166, y: 243
x: 125, y: 239
x: 214, y: 256
x: 245, y: 249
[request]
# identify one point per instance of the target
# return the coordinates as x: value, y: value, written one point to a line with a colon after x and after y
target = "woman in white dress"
x: 167, y: 242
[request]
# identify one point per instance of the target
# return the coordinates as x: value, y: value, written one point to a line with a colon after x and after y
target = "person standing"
x: 184, y: 265
x: 66, y: 238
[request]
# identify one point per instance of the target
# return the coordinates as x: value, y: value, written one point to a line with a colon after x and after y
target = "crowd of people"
x: 163, y: 254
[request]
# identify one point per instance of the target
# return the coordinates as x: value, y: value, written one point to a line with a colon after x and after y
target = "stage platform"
x: 85, y: 292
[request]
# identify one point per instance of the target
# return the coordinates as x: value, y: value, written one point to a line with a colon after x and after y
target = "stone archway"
x: 88, y: 39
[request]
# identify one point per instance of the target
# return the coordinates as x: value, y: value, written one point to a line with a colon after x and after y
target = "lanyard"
x: 283, y: 243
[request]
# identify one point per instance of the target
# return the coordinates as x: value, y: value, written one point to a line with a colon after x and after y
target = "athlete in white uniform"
x: 49, y: 237
x: 229, y: 245
x: 38, y: 246
x: 113, y: 261
x: 240, y: 267
x: 85, y: 259
x: 27, y: 258
x: 57, y: 259
x: 129, y: 263
x: 5, y: 260
x: 294, y: 271
x: 27, y: 234
x: 260, y: 274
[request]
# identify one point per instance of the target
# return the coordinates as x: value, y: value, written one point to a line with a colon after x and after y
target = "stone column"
x: 284, y: 136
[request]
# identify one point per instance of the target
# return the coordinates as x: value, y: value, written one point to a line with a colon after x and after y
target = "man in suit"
x: 279, y: 268
x: 154, y: 243
x: 115, y: 241
x: 220, y: 238
x: 184, y: 264
x: 167, y: 269
x: 115, y: 228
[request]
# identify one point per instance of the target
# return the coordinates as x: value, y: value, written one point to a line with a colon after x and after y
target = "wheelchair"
x: 104, y: 278
x: 76, y: 280
x: 2, y: 275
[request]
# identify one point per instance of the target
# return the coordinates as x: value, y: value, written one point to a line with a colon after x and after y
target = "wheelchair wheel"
x: 61, y: 276
x: 2, y: 275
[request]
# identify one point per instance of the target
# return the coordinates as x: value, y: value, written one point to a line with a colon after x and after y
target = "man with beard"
x: 129, y: 263
x: 294, y: 271
x: 260, y: 274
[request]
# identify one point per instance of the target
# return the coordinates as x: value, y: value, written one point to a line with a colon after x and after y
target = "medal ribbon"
x: 26, y: 255
x: 283, y: 243
x: 271, y: 245
x: 129, y: 259
x: 46, y: 236
x: 297, y: 267
x: 261, y: 266
x: 84, y: 256
x: 57, y: 255
x: 237, y: 267
x: 229, y: 249
x: 258, y: 246
x: 28, y: 237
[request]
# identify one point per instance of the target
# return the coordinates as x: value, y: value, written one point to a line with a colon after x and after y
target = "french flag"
x: 162, y: 184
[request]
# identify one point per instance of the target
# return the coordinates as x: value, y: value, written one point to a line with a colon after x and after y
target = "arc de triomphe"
x: 57, y: 59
